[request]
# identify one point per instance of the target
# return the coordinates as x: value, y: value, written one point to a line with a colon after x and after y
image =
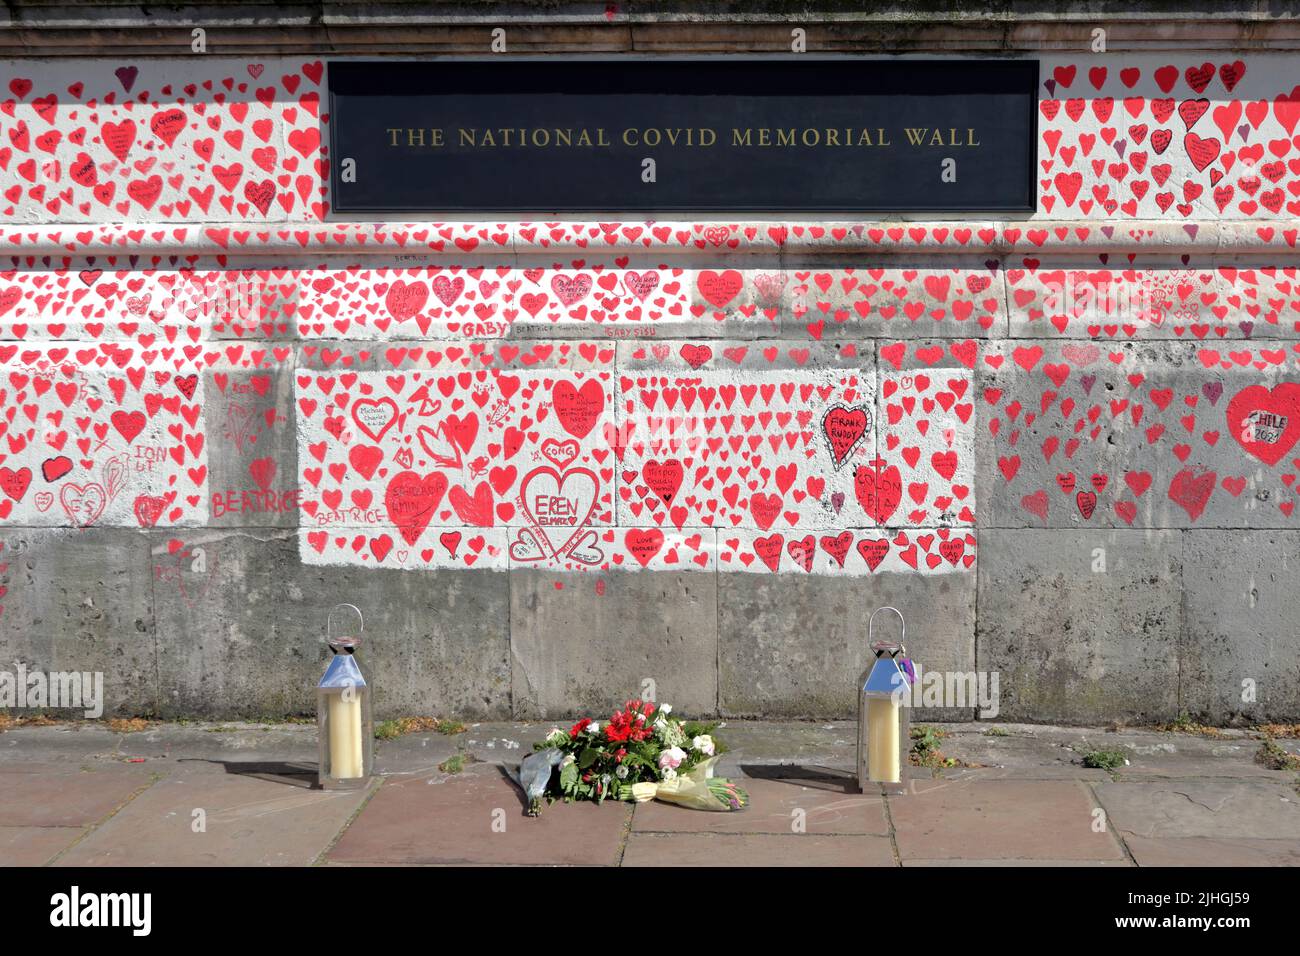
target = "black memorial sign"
x: 767, y: 135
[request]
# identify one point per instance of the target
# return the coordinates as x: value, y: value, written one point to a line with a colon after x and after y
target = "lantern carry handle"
x: 871, y: 622
x: 329, y: 621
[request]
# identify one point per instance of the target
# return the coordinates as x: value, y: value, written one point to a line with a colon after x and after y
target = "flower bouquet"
x: 642, y: 753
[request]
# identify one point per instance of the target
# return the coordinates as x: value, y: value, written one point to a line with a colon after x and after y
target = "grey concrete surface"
x: 581, y: 643
x: 434, y: 641
x: 81, y: 600
x: 1242, y: 649
x: 252, y: 448
x: 1074, y: 642
x: 795, y: 646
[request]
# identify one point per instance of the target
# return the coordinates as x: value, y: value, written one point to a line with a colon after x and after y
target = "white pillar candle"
x: 345, y: 735
x: 882, y: 740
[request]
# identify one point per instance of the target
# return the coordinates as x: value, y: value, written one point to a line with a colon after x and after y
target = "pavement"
x: 80, y: 794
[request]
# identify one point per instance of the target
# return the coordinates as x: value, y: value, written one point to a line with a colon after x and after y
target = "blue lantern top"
x: 885, y: 679
x: 342, y: 672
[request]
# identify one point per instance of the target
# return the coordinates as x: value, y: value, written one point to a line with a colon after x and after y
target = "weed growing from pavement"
x: 1105, y: 759
x: 925, y: 750
x: 454, y: 764
x: 1272, y: 756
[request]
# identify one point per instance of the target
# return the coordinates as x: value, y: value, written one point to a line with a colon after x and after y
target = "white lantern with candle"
x: 884, y: 732
x: 343, y: 714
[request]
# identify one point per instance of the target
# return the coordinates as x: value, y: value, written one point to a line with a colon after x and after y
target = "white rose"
x: 671, y: 758
x: 670, y: 774
x: 704, y: 744
x: 665, y: 708
x: 593, y: 728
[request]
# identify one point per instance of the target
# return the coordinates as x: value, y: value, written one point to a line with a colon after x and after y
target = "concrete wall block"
x: 583, y: 644
x: 428, y: 295
x: 216, y: 177
x: 101, y: 435
x: 741, y: 297
x: 1140, y: 435
x: 838, y: 297
x: 401, y: 443
x: 767, y: 436
x: 1242, y: 650
x: 263, y: 300
x: 1082, y: 626
x: 241, y: 624
x: 582, y: 296
x: 252, y: 447
x: 794, y: 646
x: 926, y: 463
x: 81, y: 600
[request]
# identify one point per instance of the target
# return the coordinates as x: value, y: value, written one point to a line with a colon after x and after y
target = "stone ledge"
x: 708, y: 238
x: 67, y: 29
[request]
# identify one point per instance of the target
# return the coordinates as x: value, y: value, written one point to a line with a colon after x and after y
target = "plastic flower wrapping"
x: 641, y: 753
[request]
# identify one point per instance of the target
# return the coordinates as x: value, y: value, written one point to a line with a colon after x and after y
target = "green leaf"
x: 568, y: 776
x: 588, y: 757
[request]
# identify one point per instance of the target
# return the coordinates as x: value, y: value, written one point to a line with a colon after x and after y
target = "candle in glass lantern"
x: 882, y: 747
x: 345, y: 734
x: 343, y: 716
x: 883, y: 704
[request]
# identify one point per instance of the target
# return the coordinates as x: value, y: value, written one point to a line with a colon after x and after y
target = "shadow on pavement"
x: 293, y: 773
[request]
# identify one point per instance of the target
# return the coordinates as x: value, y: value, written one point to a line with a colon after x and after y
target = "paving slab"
x: 1050, y: 751
x: 477, y: 816
x: 1021, y: 754
x: 63, y: 796
x: 1204, y: 807
x: 248, y: 820
x: 1208, y: 851
x: 724, y: 849
x: 999, y: 820
x: 34, y: 846
x: 82, y: 742
x: 1180, y: 756
x: 775, y: 806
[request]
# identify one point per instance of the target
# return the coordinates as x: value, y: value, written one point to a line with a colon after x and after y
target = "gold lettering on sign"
x: 761, y: 137
x: 927, y: 136
x: 764, y: 137
x: 414, y: 137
